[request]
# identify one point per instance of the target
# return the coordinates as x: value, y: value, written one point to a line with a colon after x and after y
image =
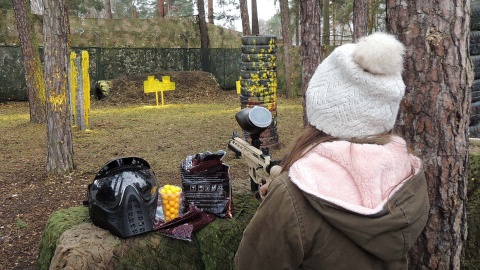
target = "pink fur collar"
x: 357, y: 177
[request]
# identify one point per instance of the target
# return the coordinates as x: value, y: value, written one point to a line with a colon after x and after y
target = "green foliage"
x: 6, y: 4
x: 148, y: 8
x: 344, y: 12
x: 274, y: 26
x: 145, y: 8
x: 182, y: 8
x: 229, y: 11
x: 121, y: 8
x: 80, y: 8
x: 19, y: 223
x: 343, y: 18
x: 344, y: 15
x: 377, y: 17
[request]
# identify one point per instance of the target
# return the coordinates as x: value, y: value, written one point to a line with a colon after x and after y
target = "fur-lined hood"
x: 357, y: 177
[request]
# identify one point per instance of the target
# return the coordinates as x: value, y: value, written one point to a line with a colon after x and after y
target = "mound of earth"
x: 189, y: 86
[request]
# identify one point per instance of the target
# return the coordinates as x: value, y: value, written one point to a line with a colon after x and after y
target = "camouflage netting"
x: 70, y: 240
x: 86, y: 246
x: 219, y: 241
x: 59, y: 222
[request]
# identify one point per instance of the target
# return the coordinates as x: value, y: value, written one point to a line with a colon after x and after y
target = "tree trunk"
x: 372, y: 11
x: 210, y: 11
x: 360, y: 18
x: 311, y: 47
x: 204, y: 40
x: 297, y: 23
x: 245, y: 18
x: 326, y: 23
x: 160, y: 9
x: 108, y: 9
x: 334, y: 28
x: 255, y: 27
x: 287, y: 46
x: 56, y: 34
x: 31, y: 61
x: 133, y: 11
x: 434, y: 116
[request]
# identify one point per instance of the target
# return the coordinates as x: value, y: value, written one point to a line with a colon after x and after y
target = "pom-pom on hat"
x: 356, y: 91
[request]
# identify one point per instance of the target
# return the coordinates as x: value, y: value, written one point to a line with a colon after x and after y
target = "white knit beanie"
x: 356, y: 91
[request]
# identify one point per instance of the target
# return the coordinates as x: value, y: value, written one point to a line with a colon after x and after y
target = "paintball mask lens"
x: 108, y: 188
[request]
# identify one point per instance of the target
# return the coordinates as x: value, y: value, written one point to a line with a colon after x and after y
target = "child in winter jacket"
x: 351, y: 195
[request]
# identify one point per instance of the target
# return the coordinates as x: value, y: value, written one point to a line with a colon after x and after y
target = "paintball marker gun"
x: 254, y: 121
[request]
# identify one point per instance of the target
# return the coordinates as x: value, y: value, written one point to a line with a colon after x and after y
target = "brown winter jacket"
x: 294, y: 229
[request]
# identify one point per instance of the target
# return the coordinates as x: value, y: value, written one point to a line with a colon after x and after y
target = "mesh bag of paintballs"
x: 206, y: 183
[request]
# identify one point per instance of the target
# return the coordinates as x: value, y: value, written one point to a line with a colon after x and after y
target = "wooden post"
x: 72, y: 78
x: 85, y: 89
x: 79, y: 89
x: 80, y: 115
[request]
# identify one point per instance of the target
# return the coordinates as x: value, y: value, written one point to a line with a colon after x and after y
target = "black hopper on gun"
x: 254, y: 121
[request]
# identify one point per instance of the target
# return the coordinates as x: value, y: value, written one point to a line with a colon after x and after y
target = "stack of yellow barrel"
x: 258, y: 80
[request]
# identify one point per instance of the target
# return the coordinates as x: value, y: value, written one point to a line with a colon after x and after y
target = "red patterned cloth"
x: 183, y: 227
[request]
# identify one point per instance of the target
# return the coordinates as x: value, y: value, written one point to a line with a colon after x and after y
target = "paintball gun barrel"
x: 254, y: 121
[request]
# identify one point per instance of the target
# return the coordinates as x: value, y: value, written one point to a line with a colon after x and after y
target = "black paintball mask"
x: 123, y: 197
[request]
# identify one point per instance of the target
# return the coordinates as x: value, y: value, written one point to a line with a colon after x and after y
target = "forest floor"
x: 197, y: 117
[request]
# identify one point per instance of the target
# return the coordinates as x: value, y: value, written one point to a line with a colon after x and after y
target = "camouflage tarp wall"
x: 12, y: 74
x: 127, y: 46
x: 110, y: 63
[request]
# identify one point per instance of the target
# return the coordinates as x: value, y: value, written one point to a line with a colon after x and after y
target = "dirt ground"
x: 28, y: 195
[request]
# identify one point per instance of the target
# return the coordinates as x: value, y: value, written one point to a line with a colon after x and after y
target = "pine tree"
x: 434, y: 117
x: 56, y: 42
